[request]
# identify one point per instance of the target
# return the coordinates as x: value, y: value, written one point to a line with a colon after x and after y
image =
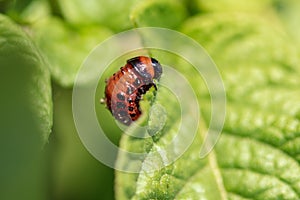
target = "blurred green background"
x: 44, y: 42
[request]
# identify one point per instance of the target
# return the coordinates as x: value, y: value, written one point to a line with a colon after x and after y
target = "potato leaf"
x: 26, y: 113
x: 257, y: 156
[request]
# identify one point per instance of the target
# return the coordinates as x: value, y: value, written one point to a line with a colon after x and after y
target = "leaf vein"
x: 271, y: 146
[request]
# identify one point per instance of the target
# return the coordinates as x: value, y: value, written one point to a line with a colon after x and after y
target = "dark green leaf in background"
x: 25, y: 114
x: 73, y: 172
x: 66, y: 46
x: 5, y: 5
x: 14, y: 8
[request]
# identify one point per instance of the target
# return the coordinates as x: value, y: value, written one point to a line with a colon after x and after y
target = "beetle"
x: 124, y: 89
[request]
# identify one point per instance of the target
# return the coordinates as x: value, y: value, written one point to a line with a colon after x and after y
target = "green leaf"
x: 113, y: 14
x: 236, y: 44
x: 25, y: 73
x: 26, y: 113
x: 158, y: 13
x: 278, y: 11
x: 287, y: 12
x: 233, y: 5
x: 257, y: 156
x: 35, y: 11
x: 70, y: 161
x: 66, y: 46
x: 5, y: 5
x: 15, y: 6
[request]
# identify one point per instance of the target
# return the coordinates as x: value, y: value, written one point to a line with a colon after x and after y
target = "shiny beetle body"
x: 125, y: 88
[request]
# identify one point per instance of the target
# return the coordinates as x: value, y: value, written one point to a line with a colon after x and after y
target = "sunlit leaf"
x: 257, y: 156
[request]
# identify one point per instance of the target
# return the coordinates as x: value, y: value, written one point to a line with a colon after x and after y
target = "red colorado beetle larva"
x: 125, y: 88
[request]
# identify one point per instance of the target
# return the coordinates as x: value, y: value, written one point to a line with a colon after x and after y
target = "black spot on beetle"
x: 141, y: 90
x: 137, y: 82
x: 121, y: 105
x: 129, y: 90
x: 122, y: 113
x: 121, y: 96
x: 138, y: 78
x: 130, y: 108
